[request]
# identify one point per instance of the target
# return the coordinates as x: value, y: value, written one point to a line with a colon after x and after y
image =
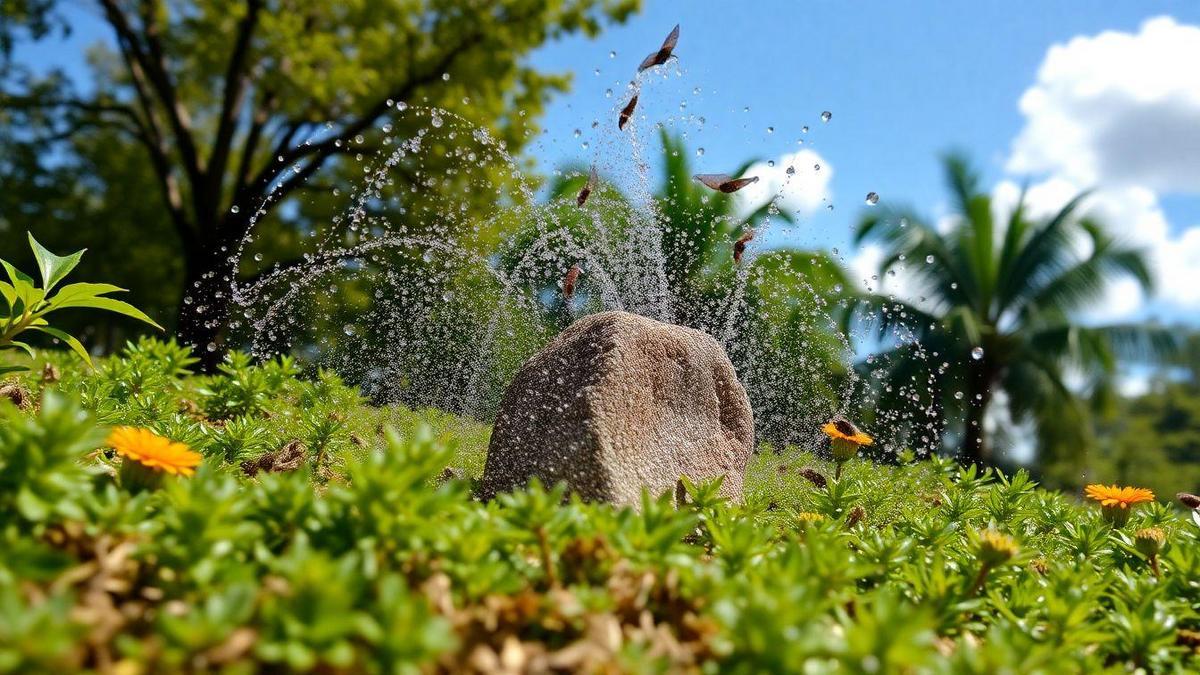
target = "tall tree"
x: 236, y: 104
x: 999, y: 312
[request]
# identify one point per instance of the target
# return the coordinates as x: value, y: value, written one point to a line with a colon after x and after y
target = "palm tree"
x: 998, y: 313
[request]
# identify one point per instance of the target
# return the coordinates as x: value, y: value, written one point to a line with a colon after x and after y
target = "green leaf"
x: 53, y: 267
x: 9, y: 293
x: 81, y: 291
x: 4, y: 370
x: 17, y: 344
x: 108, y: 304
x: 67, y: 338
x: 26, y: 292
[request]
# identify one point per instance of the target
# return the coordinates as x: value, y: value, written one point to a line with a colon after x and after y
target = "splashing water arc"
x: 414, y: 296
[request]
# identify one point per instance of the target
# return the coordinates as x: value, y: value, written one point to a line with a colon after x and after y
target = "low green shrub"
x: 368, y: 556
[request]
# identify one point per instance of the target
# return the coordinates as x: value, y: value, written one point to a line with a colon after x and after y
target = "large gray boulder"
x: 619, y: 402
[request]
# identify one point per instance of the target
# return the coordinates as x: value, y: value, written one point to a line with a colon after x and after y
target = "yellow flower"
x: 1121, y: 497
x: 151, y: 450
x: 995, y: 547
x: 845, y: 439
x: 807, y: 518
x: 839, y: 428
x: 1149, y: 541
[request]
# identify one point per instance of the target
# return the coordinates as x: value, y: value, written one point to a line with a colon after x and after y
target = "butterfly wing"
x: 649, y: 61
x: 627, y: 112
x: 736, y: 184
x: 587, y: 188
x: 712, y: 181
x: 668, y: 45
x: 569, y: 280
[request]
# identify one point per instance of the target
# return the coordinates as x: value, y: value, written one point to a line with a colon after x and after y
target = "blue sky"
x: 906, y: 82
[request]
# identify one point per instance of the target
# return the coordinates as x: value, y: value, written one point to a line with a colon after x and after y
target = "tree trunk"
x: 975, y: 447
x: 205, y: 306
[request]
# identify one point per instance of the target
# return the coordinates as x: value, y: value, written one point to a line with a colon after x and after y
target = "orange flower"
x: 1120, y: 497
x: 153, y: 451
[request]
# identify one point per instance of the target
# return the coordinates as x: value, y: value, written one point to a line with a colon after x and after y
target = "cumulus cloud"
x: 801, y: 193
x: 1119, y: 112
x: 1117, y: 108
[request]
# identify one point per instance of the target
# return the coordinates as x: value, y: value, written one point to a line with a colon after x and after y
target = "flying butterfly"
x: 724, y: 182
x: 587, y: 188
x: 627, y: 112
x: 569, y: 281
x: 739, y: 246
x: 664, y: 53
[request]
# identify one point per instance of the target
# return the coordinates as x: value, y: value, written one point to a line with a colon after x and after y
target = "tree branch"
x: 231, y: 101
x: 258, y: 125
x: 320, y: 152
x: 154, y: 72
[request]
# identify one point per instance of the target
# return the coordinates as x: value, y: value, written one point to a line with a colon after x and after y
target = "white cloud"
x: 1119, y: 112
x: 1117, y: 108
x: 802, y: 193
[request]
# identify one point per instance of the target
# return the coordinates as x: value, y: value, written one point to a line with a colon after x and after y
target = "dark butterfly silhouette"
x: 739, y: 246
x: 724, y: 182
x: 587, y: 188
x: 844, y: 425
x: 569, y: 281
x: 627, y: 112
x: 664, y: 53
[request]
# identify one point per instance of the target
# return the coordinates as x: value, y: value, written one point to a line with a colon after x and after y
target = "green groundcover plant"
x: 319, y: 534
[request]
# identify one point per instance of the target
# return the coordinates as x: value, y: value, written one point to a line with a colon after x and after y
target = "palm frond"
x: 1046, y: 251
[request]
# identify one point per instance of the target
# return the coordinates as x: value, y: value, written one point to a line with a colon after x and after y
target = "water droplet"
x: 929, y: 259
x: 977, y: 353
x: 816, y: 167
x: 699, y: 152
x: 258, y: 257
x: 212, y: 347
x: 349, y: 329
x: 578, y: 133
x: 826, y: 116
x: 612, y: 55
x: 234, y: 209
x: 770, y: 130
x: 958, y: 395
x: 445, y: 77
x: 872, y: 198
x: 804, y: 129
x: 791, y: 170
